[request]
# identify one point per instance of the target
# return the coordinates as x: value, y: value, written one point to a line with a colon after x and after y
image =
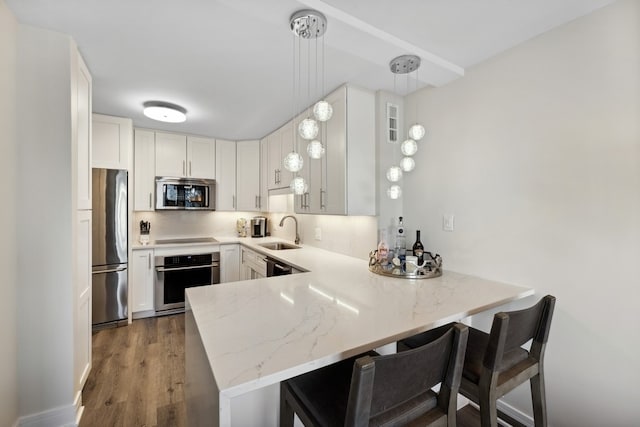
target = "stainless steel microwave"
x: 185, y: 194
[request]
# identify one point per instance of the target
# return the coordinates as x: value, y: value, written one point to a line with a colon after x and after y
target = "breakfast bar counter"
x: 243, y: 338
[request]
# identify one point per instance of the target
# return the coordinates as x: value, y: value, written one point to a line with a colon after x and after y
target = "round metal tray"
x: 431, y: 267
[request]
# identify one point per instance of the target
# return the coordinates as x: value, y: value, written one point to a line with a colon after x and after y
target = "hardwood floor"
x: 137, y: 378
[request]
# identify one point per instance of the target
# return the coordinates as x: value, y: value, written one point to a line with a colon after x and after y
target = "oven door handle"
x: 194, y: 267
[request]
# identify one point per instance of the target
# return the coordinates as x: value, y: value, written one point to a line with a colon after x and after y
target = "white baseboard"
x: 514, y: 413
x: 63, y: 416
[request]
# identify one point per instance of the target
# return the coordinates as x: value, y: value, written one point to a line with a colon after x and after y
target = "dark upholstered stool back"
x: 390, y: 390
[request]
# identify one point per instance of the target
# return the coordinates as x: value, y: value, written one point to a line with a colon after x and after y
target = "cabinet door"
x: 274, y: 160
x: 225, y: 175
x: 82, y: 291
x: 286, y: 146
x: 264, y: 175
x: 248, y: 175
x: 229, y: 263
x: 111, y: 142
x: 83, y: 102
x: 171, y: 152
x: 201, y: 157
x: 334, y: 162
x: 142, y: 280
x: 144, y: 170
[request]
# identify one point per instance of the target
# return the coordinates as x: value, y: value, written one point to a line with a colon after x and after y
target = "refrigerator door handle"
x: 111, y: 270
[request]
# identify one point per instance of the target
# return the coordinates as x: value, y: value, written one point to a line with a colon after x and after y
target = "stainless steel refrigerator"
x: 110, y: 248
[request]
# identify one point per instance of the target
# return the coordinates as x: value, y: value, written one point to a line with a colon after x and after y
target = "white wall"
x: 537, y: 153
x: 8, y: 191
x: 45, y: 299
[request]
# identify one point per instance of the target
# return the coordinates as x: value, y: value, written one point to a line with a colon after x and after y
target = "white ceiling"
x: 229, y: 62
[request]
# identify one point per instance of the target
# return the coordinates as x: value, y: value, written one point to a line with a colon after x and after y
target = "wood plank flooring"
x: 137, y: 378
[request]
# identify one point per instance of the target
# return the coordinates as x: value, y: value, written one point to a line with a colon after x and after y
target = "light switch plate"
x: 318, y: 233
x: 448, y: 222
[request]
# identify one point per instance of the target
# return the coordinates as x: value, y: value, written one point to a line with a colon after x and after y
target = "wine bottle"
x: 418, y: 248
x: 401, y: 240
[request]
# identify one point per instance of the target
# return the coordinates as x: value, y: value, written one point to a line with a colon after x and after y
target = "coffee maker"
x: 258, y: 226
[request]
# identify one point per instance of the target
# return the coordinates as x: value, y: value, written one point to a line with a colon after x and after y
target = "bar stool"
x: 389, y: 390
x: 495, y: 363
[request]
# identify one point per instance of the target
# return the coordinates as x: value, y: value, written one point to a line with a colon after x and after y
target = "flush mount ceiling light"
x: 165, y: 112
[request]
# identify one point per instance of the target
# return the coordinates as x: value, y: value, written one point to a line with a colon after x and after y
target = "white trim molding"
x: 514, y: 413
x: 62, y: 416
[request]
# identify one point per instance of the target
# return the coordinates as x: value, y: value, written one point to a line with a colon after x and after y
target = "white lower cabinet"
x: 253, y: 266
x: 229, y: 263
x: 142, y: 277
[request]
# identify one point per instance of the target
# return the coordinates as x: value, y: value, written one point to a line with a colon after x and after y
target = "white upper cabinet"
x: 112, y: 142
x: 225, y: 175
x: 144, y: 157
x: 171, y: 155
x: 83, y: 126
x: 182, y: 156
x: 342, y: 182
x: 248, y: 176
x: 279, y: 144
x: 201, y: 157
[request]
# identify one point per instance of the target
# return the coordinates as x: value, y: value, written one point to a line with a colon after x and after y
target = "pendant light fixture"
x: 405, y: 64
x: 307, y: 25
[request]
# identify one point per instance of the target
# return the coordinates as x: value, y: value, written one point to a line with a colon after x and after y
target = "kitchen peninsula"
x: 243, y: 338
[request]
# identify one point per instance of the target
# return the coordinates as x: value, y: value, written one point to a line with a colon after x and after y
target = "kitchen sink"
x: 278, y: 246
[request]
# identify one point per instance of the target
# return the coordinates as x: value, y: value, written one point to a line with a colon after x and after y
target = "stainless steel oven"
x: 176, y: 273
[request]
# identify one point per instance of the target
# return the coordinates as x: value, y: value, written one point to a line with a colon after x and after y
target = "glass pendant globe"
x: 407, y: 164
x: 293, y: 162
x: 394, y: 173
x: 298, y: 186
x: 416, y: 132
x: 308, y: 129
x: 409, y: 147
x: 315, y: 149
x: 394, y: 192
x: 322, y: 111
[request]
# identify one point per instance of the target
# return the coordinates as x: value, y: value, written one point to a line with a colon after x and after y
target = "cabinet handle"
x: 233, y: 201
x: 322, y: 204
x: 189, y: 167
x: 184, y: 167
x: 150, y: 201
x: 149, y: 261
x: 256, y: 203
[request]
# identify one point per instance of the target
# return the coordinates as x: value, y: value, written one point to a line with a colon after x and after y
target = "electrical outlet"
x: 448, y: 222
x: 318, y: 233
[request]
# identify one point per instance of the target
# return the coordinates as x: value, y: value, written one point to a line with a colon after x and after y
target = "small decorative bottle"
x: 383, y: 248
x: 418, y: 248
x: 401, y: 240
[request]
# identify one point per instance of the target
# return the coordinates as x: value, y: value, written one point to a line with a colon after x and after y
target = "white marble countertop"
x: 258, y: 332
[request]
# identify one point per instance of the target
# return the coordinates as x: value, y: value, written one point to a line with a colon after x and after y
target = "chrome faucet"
x: 297, y: 241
